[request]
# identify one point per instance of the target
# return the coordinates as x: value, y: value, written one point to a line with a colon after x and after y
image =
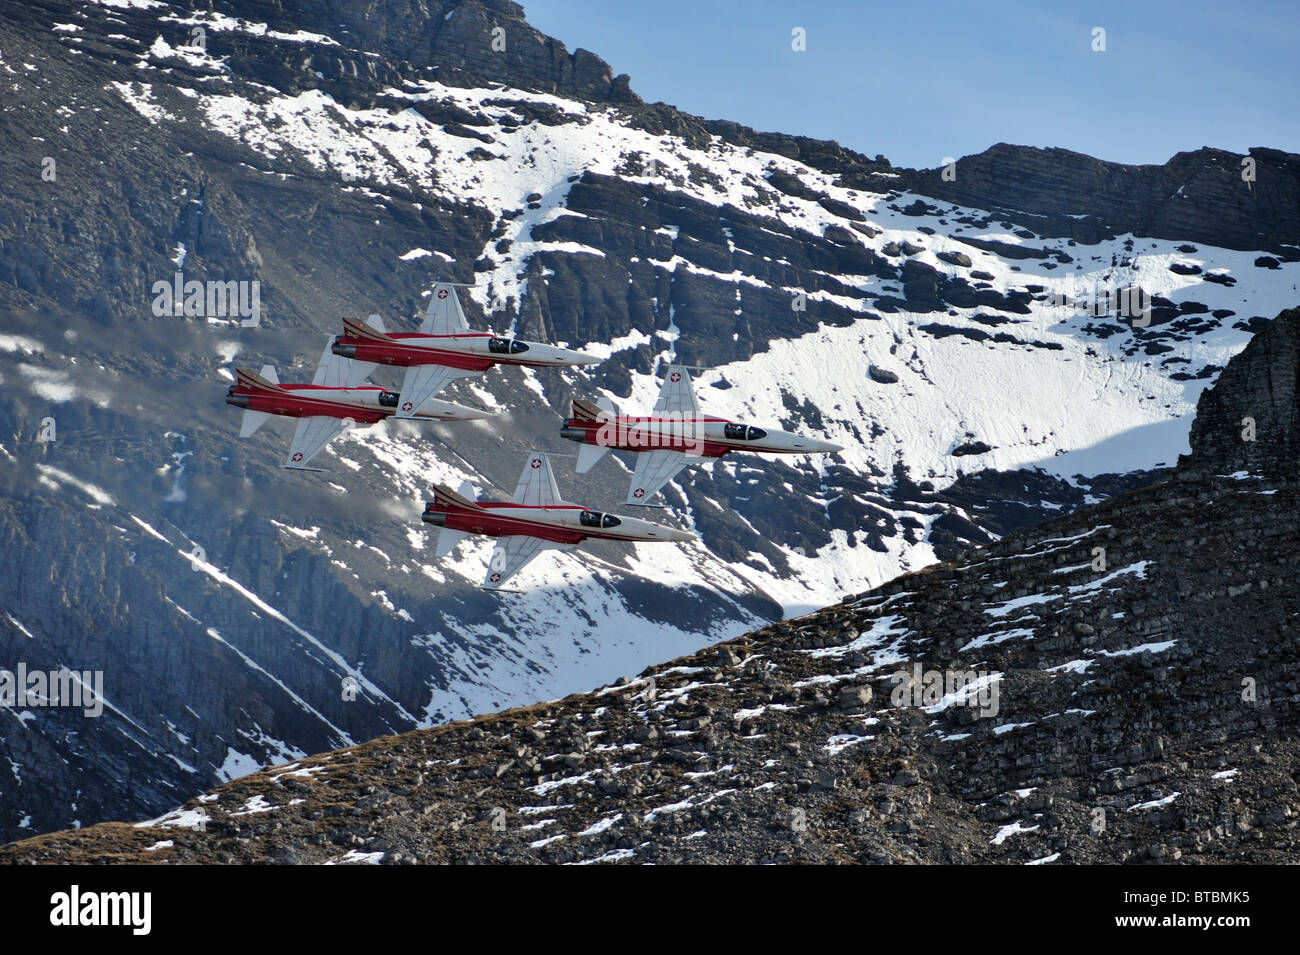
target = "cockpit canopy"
x: 741, y: 432
x: 388, y: 399
x: 506, y: 346
x: 597, y: 519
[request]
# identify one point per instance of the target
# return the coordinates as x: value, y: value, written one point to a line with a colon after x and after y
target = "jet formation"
x: 340, y: 397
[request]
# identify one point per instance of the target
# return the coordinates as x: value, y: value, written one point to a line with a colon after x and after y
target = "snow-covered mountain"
x: 1116, y: 684
x: 347, y: 159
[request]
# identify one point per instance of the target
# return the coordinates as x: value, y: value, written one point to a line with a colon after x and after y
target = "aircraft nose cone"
x: 658, y: 532
x: 814, y: 446
x: 578, y: 357
x: 453, y: 412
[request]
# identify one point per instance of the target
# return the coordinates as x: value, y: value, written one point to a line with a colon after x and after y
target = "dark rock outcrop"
x: 1199, y: 195
x: 1249, y: 420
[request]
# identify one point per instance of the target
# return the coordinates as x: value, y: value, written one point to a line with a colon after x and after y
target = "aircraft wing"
x: 337, y: 372
x: 654, y: 469
x: 444, y: 315
x: 677, y: 396
x: 314, y: 432
x: 422, y: 382
x: 536, y: 487
x: 509, y: 556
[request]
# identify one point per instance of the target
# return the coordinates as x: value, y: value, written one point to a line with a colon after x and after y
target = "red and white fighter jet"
x: 444, y: 349
x: 675, y: 431
x: 335, y: 400
x: 537, y: 518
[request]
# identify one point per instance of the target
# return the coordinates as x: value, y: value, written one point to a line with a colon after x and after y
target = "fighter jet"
x: 335, y: 400
x: 675, y: 431
x: 444, y: 349
x: 537, y: 518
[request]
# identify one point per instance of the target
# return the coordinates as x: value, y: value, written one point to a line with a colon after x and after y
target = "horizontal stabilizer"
x: 252, y: 421
x: 588, y: 455
x: 447, y: 541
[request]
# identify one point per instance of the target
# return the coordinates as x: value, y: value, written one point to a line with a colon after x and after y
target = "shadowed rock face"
x: 1144, y: 656
x: 1195, y: 195
x: 1259, y: 384
x: 458, y: 41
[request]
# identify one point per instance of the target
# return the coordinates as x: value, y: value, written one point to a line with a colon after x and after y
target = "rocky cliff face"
x: 1208, y: 195
x: 344, y: 156
x: 1250, y: 419
x: 1117, y: 685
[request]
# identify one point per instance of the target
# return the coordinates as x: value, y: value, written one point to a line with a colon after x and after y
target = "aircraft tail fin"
x: 268, y: 380
x: 584, y: 412
x: 335, y: 371
x: 445, y: 497
x: 587, y: 414
x: 355, y: 328
x: 251, y: 422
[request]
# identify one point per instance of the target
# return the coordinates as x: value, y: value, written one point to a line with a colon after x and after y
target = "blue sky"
x: 923, y: 81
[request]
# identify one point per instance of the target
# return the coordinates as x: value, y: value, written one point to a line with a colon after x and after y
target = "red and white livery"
x: 675, y: 431
x: 536, y: 518
x: 336, y: 400
x: 444, y: 349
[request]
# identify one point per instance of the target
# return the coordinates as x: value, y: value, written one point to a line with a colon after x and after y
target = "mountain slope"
x: 1137, y: 705
x: 345, y: 158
